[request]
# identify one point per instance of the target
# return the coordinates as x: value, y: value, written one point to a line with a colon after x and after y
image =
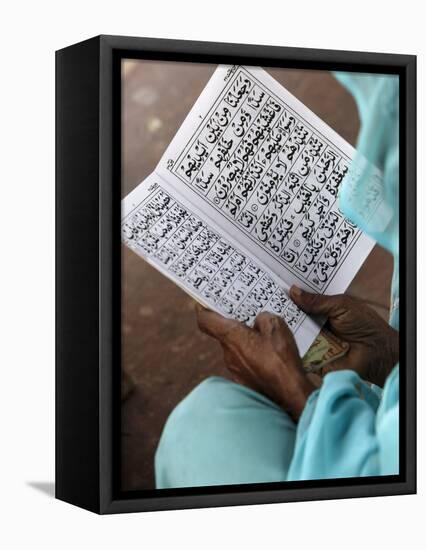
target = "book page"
x: 216, y: 271
x: 244, y: 203
x: 268, y: 171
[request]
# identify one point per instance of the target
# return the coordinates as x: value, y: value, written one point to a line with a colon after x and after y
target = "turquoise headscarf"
x: 370, y: 198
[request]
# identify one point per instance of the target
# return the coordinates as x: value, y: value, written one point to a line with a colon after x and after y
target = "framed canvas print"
x: 236, y: 291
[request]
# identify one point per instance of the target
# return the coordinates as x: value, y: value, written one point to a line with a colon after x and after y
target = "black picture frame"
x: 88, y: 272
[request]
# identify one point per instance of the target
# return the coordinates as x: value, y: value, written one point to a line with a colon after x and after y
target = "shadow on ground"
x: 46, y: 487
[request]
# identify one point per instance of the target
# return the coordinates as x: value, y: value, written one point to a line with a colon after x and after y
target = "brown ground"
x: 164, y: 355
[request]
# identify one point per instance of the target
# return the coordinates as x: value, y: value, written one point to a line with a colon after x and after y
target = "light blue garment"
x: 224, y: 433
x: 347, y: 429
x: 373, y: 204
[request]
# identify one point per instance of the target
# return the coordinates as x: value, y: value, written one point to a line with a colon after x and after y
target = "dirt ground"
x: 164, y: 356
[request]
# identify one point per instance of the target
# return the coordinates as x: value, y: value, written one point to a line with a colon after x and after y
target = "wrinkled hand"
x: 374, y: 345
x: 264, y: 358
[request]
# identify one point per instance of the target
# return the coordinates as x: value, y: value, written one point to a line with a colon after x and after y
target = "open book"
x: 244, y: 203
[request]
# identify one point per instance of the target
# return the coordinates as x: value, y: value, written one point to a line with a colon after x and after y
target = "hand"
x: 264, y: 358
x: 374, y: 344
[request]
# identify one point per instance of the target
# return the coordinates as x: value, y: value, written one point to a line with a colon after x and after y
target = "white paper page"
x: 262, y: 172
x: 215, y: 270
x: 267, y: 170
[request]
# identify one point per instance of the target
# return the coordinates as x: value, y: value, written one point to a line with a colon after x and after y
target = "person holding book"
x: 275, y: 422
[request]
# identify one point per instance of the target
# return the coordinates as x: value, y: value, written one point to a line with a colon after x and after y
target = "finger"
x: 318, y: 304
x: 214, y: 324
x: 268, y: 323
x: 265, y: 322
x: 278, y: 332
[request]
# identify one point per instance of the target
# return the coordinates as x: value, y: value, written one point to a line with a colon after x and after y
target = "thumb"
x: 214, y: 324
x: 317, y: 304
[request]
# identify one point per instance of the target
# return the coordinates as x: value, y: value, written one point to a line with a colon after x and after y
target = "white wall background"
x: 29, y: 34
